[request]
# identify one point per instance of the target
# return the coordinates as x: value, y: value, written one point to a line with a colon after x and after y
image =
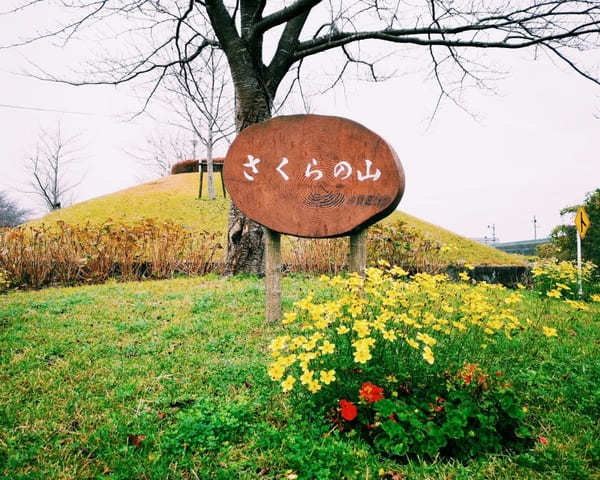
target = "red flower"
x: 467, y: 379
x: 348, y: 410
x: 543, y: 440
x: 393, y: 418
x: 498, y: 373
x: 371, y: 393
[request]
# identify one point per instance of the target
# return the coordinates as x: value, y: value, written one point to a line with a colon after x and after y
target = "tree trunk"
x: 245, y: 246
x: 211, y: 126
x: 209, y: 165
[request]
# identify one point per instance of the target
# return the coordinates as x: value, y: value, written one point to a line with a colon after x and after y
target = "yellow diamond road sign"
x: 582, y: 222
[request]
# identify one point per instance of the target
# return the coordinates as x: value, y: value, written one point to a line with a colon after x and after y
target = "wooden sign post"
x: 312, y: 176
x: 273, y: 274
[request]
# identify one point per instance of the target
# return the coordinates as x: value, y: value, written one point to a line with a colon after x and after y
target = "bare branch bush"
x: 53, y: 168
x: 161, y: 150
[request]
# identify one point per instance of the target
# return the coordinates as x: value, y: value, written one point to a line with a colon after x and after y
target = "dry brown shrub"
x: 62, y: 254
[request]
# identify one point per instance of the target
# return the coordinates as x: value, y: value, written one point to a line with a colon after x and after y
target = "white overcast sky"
x: 534, y: 149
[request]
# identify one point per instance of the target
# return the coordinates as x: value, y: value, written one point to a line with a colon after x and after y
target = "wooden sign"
x: 313, y: 176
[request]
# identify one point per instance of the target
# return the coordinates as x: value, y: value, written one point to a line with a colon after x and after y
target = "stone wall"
x: 507, y: 275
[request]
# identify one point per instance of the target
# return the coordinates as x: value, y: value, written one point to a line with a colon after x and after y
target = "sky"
x: 533, y: 148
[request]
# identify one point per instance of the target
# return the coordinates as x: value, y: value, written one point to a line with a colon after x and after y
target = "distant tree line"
x: 11, y: 214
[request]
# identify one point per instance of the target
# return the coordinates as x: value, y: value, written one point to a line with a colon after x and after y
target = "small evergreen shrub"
x: 187, y: 166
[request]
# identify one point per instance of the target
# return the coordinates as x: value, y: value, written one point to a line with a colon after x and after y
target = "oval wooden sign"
x: 313, y: 175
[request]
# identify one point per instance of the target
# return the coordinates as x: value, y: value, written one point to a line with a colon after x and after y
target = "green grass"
x: 175, y: 198
x: 178, y: 368
x: 171, y: 198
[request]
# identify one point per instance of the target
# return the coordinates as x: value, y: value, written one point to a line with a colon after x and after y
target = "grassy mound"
x: 175, y: 198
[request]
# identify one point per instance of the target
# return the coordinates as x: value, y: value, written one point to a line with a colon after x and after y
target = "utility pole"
x: 492, y: 227
x: 194, y: 143
x: 534, y: 228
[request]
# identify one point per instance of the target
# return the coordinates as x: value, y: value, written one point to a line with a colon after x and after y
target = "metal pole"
x: 579, y: 263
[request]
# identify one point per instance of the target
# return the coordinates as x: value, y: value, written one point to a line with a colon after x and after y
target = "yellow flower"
x: 464, y: 276
x: 595, y: 298
x: 289, y: 317
x: 327, y: 347
x: 389, y: 335
x: 426, y: 339
x: 288, y: 383
x: 314, y: 386
x: 307, y: 377
x: 549, y: 331
x: 279, y: 343
x: 342, y: 329
x: 327, y: 376
x: 412, y: 343
x: 321, y: 324
x: 362, y: 356
x: 400, y: 272
x: 276, y: 371
x: 484, y: 345
x: 428, y: 355
x: 361, y: 327
x: 553, y: 293
x: 577, y: 305
x: 460, y: 326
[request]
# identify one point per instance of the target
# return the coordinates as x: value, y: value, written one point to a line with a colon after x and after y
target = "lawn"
x: 168, y: 379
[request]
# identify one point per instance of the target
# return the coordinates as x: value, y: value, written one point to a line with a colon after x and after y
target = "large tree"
x: 167, y: 34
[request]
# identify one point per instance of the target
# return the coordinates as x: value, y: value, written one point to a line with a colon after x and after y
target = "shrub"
x: 562, y: 239
x: 402, y: 363
x: 33, y: 257
x: 556, y: 279
x: 323, y: 255
x: 4, y: 283
x: 397, y: 243
x: 190, y: 166
x: 400, y: 244
x: 186, y: 166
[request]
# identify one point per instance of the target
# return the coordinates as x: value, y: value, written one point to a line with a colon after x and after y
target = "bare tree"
x: 161, y: 150
x: 205, y: 105
x: 51, y: 168
x: 11, y: 214
x: 452, y: 35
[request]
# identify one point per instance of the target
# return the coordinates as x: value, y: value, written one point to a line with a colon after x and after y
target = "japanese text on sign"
x: 341, y: 170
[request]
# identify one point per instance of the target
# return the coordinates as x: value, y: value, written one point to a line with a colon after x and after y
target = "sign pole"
x: 582, y: 224
x: 273, y: 275
x: 358, y: 252
x: 580, y: 293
